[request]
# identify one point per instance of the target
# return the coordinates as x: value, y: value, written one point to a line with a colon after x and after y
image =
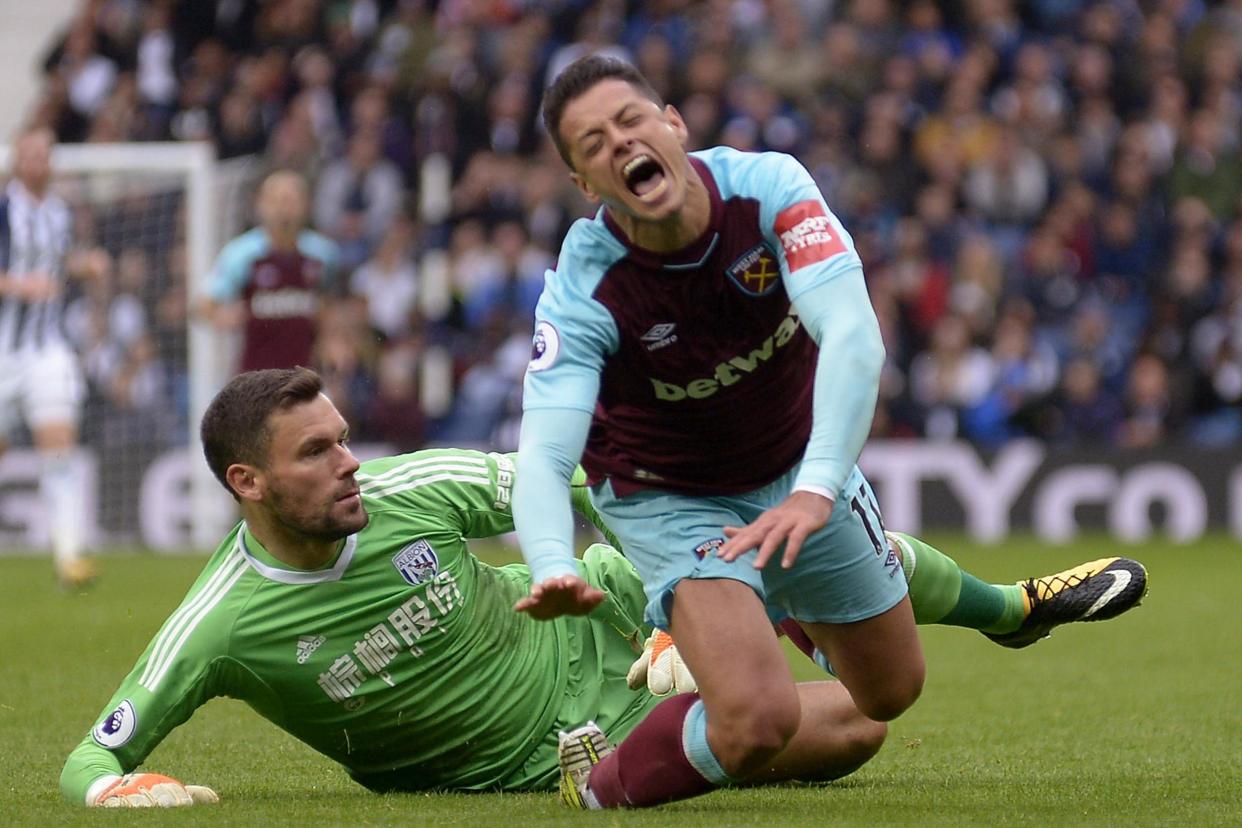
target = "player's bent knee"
x: 860, y: 741
x: 893, y: 698
x: 865, y: 739
x: 747, y: 741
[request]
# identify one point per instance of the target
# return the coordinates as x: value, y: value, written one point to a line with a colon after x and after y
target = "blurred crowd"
x: 1046, y: 195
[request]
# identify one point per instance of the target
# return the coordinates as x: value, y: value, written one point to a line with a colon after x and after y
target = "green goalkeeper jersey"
x: 402, y: 659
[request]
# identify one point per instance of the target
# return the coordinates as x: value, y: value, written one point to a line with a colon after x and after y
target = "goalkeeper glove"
x: 660, y: 667
x: 153, y: 790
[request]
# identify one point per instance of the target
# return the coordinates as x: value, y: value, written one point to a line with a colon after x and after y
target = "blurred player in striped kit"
x: 40, y: 381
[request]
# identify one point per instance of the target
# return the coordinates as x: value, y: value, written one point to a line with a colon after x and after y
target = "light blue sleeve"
x: 838, y: 315
x: 232, y: 269
x: 321, y: 248
x: 829, y: 294
x: 574, y: 334
x: 551, y: 441
x: 784, y: 184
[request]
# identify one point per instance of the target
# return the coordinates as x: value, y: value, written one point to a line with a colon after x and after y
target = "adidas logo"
x: 307, y: 644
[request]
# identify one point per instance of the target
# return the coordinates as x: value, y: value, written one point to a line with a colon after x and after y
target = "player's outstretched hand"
x: 789, y: 523
x: 153, y: 790
x: 660, y: 668
x: 564, y: 595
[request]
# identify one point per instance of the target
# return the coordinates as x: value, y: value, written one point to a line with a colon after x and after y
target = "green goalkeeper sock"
x: 941, y: 593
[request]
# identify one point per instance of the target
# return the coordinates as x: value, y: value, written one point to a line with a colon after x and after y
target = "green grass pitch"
x: 1135, y: 721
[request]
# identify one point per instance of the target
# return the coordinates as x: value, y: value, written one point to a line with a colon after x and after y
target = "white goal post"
x: 208, y: 206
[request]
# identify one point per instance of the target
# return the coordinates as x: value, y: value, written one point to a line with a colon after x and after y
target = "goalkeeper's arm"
x: 580, y: 499
x: 140, y: 715
x: 579, y: 494
x: 94, y: 777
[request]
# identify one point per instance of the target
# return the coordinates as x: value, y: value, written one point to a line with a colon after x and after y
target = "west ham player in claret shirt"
x: 706, y: 345
x: 270, y: 280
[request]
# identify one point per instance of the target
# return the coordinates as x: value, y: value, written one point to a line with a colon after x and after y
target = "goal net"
x: 158, y: 210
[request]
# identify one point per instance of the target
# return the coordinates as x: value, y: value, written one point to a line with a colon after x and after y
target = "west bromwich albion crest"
x: 417, y: 563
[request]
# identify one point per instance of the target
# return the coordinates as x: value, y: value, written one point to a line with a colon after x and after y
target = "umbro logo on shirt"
x: 660, y: 336
x: 307, y: 644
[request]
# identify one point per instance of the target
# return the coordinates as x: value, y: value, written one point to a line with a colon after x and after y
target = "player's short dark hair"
x: 579, y: 77
x: 235, y: 428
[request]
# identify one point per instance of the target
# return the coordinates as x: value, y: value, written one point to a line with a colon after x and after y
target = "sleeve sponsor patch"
x: 807, y: 234
x: 544, y: 348
x: 118, y: 727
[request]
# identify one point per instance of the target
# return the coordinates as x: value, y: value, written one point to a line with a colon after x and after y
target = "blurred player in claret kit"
x: 40, y: 379
x: 270, y: 280
x: 707, y: 347
x: 347, y: 610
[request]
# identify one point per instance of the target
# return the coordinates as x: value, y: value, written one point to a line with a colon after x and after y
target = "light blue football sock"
x: 698, y: 751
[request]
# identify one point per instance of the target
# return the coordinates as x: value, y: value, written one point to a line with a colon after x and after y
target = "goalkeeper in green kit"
x: 347, y: 610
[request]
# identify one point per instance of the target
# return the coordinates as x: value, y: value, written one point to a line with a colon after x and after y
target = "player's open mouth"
x: 643, y: 175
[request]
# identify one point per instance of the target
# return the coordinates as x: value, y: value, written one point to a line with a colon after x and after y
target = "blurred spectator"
x: 388, y: 282
x: 1207, y: 168
x: 1034, y: 101
x: 978, y: 281
x: 1094, y: 337
x: 786, y: 58
x: 315, y: 74
x: 489, y: 396
x: 919, y: 283
x: 1124, y: 257
x: 1010, y: 184
x: 475, y: 264
x: 84, y: 74
x: 511, y: 292
x: 240, y: 128
x: 597, y: 33
x: 394, y: 415
x: 1085, y: 412
x: 952, y: 375
x: 1024, y: 372
x: 293, y: 143
x: 357, y: 198
x: 1216, y: 347
x: 370, y: 111
x: 959, y: 134
x: 1150, y: 415
x: 1048, y: 279
x: 136, y: 425
x: 343, y: 355
x: 156, y: 72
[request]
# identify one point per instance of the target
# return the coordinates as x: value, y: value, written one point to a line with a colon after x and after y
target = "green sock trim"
x: 979, y: 606
x: 905, y: 552
x: 941, y: 593
x: 1015, y: 609
x: 935, y: 582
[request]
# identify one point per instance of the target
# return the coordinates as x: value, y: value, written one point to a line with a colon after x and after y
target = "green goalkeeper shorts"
x: 602, y: 646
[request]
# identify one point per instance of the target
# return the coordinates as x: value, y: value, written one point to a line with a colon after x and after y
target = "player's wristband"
x: 822, y: 491
x: 99, y: 786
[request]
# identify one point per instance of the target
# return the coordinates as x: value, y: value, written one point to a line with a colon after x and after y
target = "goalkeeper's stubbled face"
x: 309, y: 475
